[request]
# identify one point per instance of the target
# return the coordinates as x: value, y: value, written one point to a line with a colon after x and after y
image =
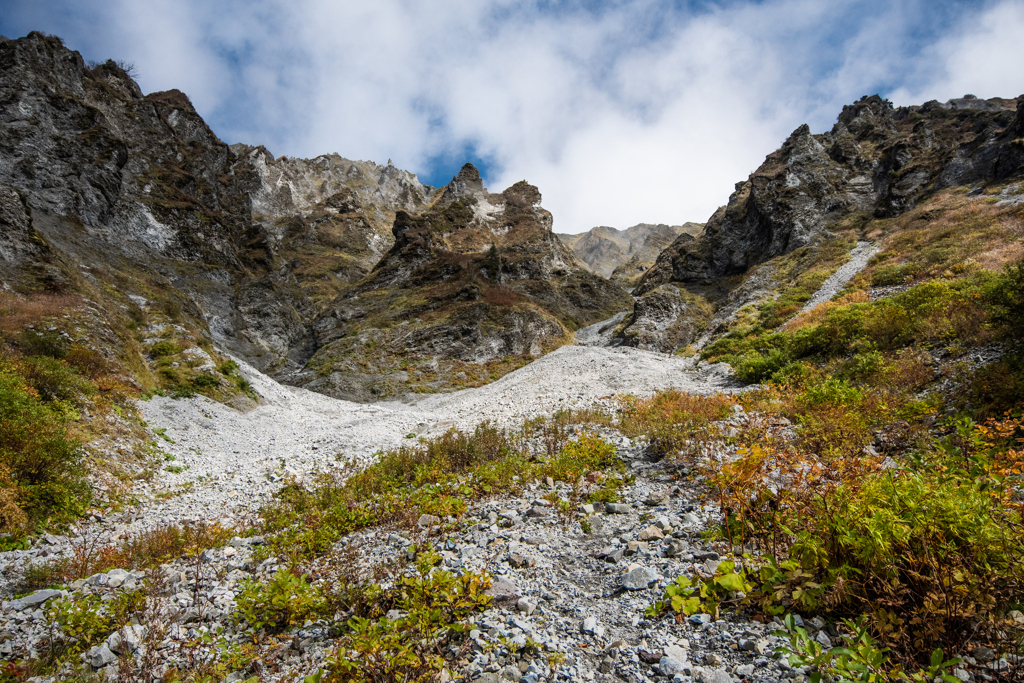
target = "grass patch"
x: 438, y: 477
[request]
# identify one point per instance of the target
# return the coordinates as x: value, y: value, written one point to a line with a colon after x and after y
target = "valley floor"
x: 231, y: 462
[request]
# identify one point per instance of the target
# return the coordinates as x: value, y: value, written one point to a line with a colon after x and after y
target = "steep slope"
x: 793, y: 222
x: 134, y: 202
x: 624, y: 255
x: 247, y: 247
x: 472, y: 288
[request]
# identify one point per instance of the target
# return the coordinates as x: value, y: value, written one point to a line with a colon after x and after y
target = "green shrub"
x: 857, y: 659
x: 55, y: 380
x: 285, y: 601
x: 164, y: 348
x: 46, y: 343
x: 1005, y: 300
x: 205, y: 380
x: 228, y: 367
x: 44, y: 464
x: 892, y: 275
x: 438, y: 476
x: 928, y: 554
x: 434, y: 605
x: 90, y: 620
x: 693, y: 595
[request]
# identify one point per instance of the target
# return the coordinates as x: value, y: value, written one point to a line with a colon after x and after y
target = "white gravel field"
x: 236, y: 460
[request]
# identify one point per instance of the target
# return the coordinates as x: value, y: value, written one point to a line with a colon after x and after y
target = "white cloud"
x: 983, y: 58
x: 632, y: 112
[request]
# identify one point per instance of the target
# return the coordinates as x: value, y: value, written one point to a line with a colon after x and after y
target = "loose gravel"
x: 225, y: 463
x: 859, y: 257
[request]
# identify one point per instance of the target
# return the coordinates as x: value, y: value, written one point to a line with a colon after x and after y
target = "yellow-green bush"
x: 43, y: 464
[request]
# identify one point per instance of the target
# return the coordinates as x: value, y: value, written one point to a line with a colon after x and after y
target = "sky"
x: 621, y: 112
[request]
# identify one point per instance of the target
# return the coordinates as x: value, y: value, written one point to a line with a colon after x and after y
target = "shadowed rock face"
x: 624, y: 255
x: 876, y: 162
x: 137, y: 192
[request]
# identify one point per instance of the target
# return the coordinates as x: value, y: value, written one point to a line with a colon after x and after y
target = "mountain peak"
x: 466, y: 184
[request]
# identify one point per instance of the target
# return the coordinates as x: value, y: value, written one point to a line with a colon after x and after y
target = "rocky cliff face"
x: 477, y: 280
x: 877, y: 162
x: 135, y: 196
x: 624, y: 255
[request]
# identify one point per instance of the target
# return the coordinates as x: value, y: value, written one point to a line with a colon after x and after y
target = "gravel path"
x: 236, y: 460
x: 859, y: 257
x: 600, y: 334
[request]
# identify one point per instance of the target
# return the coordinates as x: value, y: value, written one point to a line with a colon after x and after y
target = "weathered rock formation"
x: 877, y: 161
x: 624, y: 255
x: 478, y: 278
x: 128, y: 195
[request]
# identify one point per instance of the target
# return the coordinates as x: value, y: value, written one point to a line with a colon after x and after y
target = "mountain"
x: 477, y: 280
x: 133, y: 203
x: 795, y: 219
x: 624, y: 255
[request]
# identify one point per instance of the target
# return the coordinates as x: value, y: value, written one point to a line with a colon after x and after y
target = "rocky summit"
x: 625, y: 255
x: 878, y: 162
x: 134, y: 198
x: 477, y: 279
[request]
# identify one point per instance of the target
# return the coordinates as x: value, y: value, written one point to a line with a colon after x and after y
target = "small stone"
x: 591, y: 627
x: 824, y: 640
x: 606, y: 665
x: 550, y: 482
x: 677, y: 653
x: 656, y: 499
x: 669, y: 666
x: 617, y: 508
x: 711, y: 659
x: 426, y: 521
x: 633, y: 547
x: 33, y: 599
x: 520, y: 561
x: 535, y: 512
x: 650, y: 533
x: 983, y: 654
x: 614, y: 556
x: 100, y: 656
x: 639, y: 579
x: 745, y: 670
x: 526, y: 606
x: 716, y: 676
x: 587, y: 508
x: 676, y: 547
x: 700, y: 619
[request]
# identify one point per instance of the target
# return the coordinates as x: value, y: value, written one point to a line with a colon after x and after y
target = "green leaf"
x: 731, y: 582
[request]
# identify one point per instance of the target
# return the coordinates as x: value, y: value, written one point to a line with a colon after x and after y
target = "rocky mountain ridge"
x: 878, y: 162
x: 132, y: 200
x: 624, y: 255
